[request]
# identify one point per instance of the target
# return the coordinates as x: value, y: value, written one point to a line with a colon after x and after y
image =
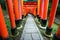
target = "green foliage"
x: 8, y: 25
x: 3, y: 4
x: 55, y: 27
x: 58, y: 10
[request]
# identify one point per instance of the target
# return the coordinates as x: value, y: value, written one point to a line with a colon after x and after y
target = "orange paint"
x: 11, y: 13
x: 58, y: 32
x: 46, y: 2
x: 29, y: 7
x: 24, y: 12
x: 0, y: 31
x: 20, y: 8
x: 16, y: 10
x: 34, y: 11
x: 39, y: 1
x: 3, y: 27
x: 41, y: 9
x: 53, y: 13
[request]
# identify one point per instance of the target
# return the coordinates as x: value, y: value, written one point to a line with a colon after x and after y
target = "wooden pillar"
x: 41, y: 9
x: 20, y: 8
x: 52, y: 16
x: 3, y: 28
x: 39, y: 1
x: 11, y: 16
x: 19, y: 20
x: 16, y: 12
x: 45, y: 11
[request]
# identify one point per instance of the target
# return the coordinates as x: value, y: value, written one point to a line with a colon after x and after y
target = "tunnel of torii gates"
x: 18, y: 8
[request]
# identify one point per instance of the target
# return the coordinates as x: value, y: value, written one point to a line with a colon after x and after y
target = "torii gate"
x: 4, y: 32
x: 43, y: 16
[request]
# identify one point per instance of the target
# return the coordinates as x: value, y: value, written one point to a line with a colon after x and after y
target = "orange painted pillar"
x: 3, y: 28
x: 11, y: 15
x: 27, y: 10
x: 34, y: 12
x: 38, y: 8
x: 16, y: 9
x: 17, y: 12
x: 19, y: 21
x: 45, y: 11
x: 41, y: 10
x: 21, y: 8
x: 39, y: 2
x: 52, y: 16
x: 24, y: 12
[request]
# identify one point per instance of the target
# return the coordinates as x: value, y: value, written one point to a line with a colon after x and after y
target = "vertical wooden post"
x: 23, y: 10
x: 44, y: 19
x: 20, y: 8
x: 39, y: 1
x: 3, y: 28
x: 16, y: 12
x: 11, y: 15
x: 52, y: 16
x: 41, y: 9
x: 33, y: 9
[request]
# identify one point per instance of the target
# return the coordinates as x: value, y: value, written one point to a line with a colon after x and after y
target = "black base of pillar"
x: 38, y: 18
x: 4, y: 38
x: 34, y: 16
x: 43, y: 23
x: 56, y: 37
x: 0, y: 38
x: 18, y: 22
x: 7, y: 39
x: 22, y: 16
x: 48, y: 31
x: 14, y: 31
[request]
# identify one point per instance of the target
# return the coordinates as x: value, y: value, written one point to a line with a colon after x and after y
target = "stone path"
x: 31, y: 31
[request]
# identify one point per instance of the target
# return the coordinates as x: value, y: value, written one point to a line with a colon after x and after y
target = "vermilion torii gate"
x: 15, y: 14
x: 43, y: 15
x: 43, y: 12
x: 17, y: 6
x: 3, y: 28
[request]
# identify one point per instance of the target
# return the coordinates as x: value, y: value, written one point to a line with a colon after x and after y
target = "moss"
x: 55, y: 27
x: 8, y: 25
